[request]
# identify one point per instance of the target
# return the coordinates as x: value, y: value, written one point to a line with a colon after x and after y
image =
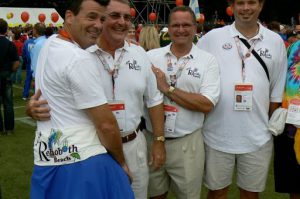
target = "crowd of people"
x: 126, y: 112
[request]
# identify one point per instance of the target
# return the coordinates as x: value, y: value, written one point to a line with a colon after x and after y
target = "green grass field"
x: 16, y: 159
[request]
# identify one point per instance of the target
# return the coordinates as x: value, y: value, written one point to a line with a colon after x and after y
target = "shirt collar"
x: 192, y: 54
x: 95, y: 47
x: 235, y: 33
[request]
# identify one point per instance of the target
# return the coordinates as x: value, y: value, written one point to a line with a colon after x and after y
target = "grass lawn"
x: 16, y: 159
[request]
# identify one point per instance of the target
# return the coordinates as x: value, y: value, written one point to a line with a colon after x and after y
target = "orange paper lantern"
x: 179, y: 2
x: 25, y: 16
x: 201, y: 19
x: 54, y: 17
x: 229, y: 11
x: 42, y: 17
x: 132, y: 12
x: 152, y: 16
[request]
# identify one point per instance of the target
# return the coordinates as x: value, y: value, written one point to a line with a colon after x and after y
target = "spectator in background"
x: 131, y: 36
x: 39, y: 34
x: 9, y: 61
x: 28, y: 45
x: 286, y: 167
x: 277, y: 27
x: 48, y: 32
x: 149, y: 38
x: 17, y: 76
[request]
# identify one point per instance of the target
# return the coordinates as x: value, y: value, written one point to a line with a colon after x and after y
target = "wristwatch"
x: 160, y: 138
x: 171, y: 90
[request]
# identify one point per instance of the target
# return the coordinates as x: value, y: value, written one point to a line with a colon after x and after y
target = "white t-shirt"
x: 199, y: 75
x: 69, y: 79
x: 135, y: 83
x: 244, y: 131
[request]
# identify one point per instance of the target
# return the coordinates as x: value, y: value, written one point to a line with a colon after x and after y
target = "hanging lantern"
x: 42, y: 17
x: 202, y: 18
x: 229, y: 11
x: 152, y: 16
x: 179, y: 2
x: 25, y: 16
x: 54, y: 17
x: 132, y: 12
x: 9, y: 15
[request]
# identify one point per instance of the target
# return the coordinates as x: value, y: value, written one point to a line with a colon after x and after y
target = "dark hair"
x: 48, y: 32
x: 40, y: 28
x: 75, y: 5
x: 182, y: 9
x: 274, y: 25
x: 17, y: 34
x: 3, y: 26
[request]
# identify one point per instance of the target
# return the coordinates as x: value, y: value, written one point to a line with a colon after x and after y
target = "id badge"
x: 293, y: 115
x: 243, y: 97
x: 118, y: 109
x: 170, y: 118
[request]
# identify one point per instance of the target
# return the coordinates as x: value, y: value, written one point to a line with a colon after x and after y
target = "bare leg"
x: 218, y: 194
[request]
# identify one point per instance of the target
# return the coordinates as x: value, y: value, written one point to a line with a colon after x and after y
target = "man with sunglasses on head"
x: 129, y: 85
x: 78, y: 152
x: 190, y: 81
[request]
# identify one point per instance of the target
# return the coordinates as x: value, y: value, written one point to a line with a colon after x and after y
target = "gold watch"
x: 160, y: 138
x: 171, y: 90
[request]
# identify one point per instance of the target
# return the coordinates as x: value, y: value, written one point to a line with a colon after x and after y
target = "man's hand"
x: 38, y: 109
x: 129, y: 174
x: 161, y: 80
x: 158, y: 155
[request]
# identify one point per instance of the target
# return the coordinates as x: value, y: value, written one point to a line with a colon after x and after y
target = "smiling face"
x: 182, y: 28
x: 247, y: 11
x: 117, y: 23
x: 86, y: 26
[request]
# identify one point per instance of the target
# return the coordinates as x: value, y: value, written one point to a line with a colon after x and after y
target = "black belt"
x: 131, y: 136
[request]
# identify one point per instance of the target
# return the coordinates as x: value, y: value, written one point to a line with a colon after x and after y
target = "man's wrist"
x: 171, y: 89
x: 159, y: 138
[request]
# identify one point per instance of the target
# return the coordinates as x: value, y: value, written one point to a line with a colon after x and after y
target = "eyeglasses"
x: 185, y: 25
x: 117, y: 15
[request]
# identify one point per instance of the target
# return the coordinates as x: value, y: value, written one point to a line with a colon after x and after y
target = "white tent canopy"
x: 13, y: 16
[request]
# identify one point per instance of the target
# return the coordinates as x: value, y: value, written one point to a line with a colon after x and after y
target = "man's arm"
x: 158, y: 152
x: 191, y: 101
x: 273, y: 106
x: 15, y: 66
x: 108, y: 132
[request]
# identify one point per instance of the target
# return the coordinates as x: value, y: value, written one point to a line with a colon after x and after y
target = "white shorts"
x: 135, y: 153
x: 252, y: 168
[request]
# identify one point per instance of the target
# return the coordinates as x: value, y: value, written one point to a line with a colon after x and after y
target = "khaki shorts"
x: 252, y: 168
x: 183, y: 170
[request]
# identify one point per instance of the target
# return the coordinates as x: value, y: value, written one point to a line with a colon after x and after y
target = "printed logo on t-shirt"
x: 193, y: 72
x: 227, y: 46
x: 264, y: 53
x: 133, y: 65
x: 56, y: 148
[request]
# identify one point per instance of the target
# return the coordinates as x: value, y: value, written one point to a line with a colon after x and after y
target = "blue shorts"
x: 99, y: 176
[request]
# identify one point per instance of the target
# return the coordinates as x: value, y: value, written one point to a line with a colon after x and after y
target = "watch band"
x: 171, y: 90
x: 160, y: 138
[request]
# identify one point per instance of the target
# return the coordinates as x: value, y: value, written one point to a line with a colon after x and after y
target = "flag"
x: 195, y: 7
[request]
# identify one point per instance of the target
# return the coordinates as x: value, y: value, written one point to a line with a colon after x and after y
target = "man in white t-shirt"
x: 129, y: 84
x: 189, y: 78
x: 78, y: 152
x: 252, y: 82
